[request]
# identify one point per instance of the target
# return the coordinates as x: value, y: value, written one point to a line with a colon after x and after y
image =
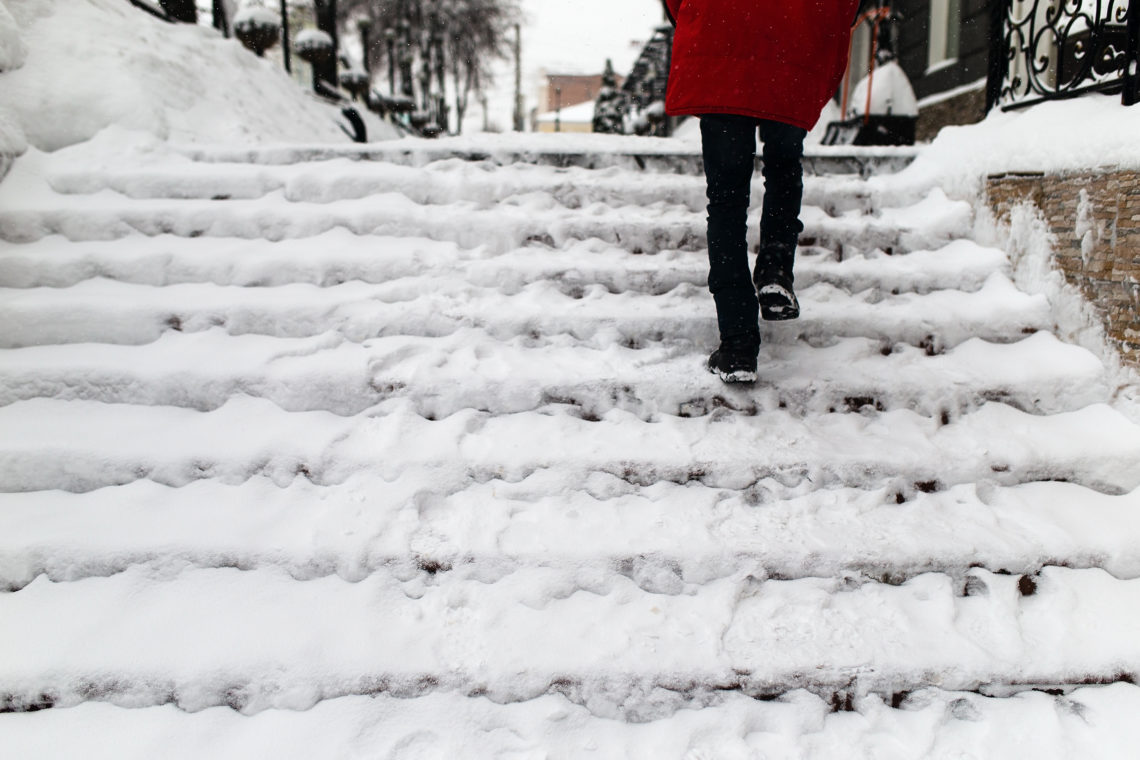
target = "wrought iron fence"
x: 1054, y: 49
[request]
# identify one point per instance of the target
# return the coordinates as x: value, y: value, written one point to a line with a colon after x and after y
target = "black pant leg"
x: 780, y: 224
x: 728, y: 145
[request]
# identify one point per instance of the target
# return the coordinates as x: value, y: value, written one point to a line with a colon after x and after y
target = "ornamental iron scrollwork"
x: 1054, y: 49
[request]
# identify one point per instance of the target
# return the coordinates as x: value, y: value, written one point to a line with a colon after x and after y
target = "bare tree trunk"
x: 440, y: 72
x: 460, y: 96
x: 404, y: 53
x: 519, y: 123
x: 221, y: 23
x: 285, y: 36
x: 326, y: 22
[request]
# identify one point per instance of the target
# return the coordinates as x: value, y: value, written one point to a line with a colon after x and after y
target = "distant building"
x: 564, y: 90
x: 576, y: 118
x: 568, y: 100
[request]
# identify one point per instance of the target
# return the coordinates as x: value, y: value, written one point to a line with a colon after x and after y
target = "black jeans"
x: 729, y: 147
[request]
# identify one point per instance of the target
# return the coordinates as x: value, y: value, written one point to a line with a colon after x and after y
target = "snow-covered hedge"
x: 101, y: 63
x: 258, y: 28
x: 13, y: 51
x: 256, y: 16
x: 313, y: 42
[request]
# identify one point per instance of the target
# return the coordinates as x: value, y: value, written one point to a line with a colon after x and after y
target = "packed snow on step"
x: 419, y: 459
x: 931, y: 723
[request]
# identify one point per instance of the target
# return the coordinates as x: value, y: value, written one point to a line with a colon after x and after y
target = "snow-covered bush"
x: 655, y: 112
x: 313, y: 45
x: 257, y: 28
x: 355, y: 81
x: 13, y: 51
x: 104, y: 63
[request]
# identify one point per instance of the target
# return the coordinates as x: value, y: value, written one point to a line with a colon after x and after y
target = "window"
x: 945, y: 29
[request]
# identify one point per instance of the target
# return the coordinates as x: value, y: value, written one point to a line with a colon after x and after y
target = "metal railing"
x: 1055, y: 49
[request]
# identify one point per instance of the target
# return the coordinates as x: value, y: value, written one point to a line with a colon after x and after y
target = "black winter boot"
x: 777, y: 297
x: 735, y: 361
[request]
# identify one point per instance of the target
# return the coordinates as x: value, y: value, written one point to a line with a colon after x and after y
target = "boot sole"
x: 738, y: 376
x: 777, y: 304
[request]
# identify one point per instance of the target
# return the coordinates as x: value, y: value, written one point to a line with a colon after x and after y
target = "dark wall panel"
x: 914, y: 36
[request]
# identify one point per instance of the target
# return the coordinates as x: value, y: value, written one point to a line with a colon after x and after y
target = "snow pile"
x: 891, y: 93
x: 13, y: 51
x: 12, y: 141
x: 1082, y: 134
x: 100, y: 63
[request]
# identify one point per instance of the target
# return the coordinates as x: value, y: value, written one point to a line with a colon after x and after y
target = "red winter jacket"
x: 772, y: 59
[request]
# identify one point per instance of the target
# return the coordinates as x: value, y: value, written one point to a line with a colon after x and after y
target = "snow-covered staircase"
x: 385, y: 458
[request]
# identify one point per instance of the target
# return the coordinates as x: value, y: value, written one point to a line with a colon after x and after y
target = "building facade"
x: 944, y: 48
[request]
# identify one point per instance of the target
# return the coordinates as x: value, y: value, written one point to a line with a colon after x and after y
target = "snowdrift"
x: 68, y: 70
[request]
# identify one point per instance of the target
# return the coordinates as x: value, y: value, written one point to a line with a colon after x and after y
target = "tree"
x: 610, y: 106
x: 442, y: 40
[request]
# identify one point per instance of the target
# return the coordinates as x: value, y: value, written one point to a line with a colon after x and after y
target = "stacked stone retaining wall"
x: 1095, y: 216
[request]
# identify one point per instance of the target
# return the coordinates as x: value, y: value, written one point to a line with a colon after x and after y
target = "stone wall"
x: 1096, y: 219
x: 966, y: 108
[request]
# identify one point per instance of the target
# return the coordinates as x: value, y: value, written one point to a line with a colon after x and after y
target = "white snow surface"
x: 100, y: 63
x: 1094, y: 131
x: 891, y: 93
x: 307, y: 455
x: 579, y: 112
x: 13, y: 51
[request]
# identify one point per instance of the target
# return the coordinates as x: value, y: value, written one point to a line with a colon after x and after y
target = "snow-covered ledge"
x: 1058, y: 187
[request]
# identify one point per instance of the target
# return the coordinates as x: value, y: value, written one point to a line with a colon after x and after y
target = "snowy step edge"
x: 114, y: 312
x: 930, y: 223
x: 926, y: 723
x: 41, y: 449
x: 420, y: 526
x: 260, y: 639
x: 345, y: 257
x: 470, y: 369
x: 439, y: 183
x: 861, y: 161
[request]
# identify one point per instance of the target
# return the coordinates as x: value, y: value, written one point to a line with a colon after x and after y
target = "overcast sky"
x: 572, y: 36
